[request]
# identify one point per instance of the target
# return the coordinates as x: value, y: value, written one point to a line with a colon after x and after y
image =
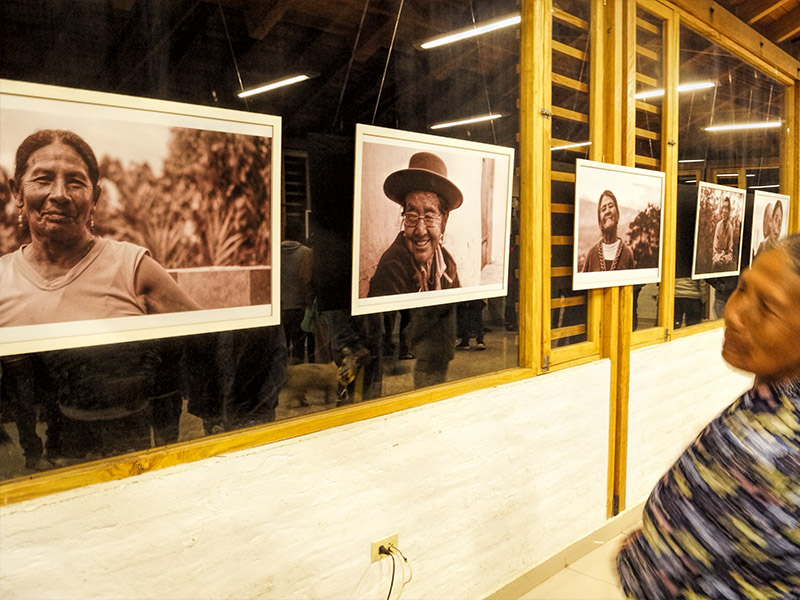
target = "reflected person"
x: 722, y: 250
x: 723, y: 521
x: 416, y: 261
x: 610, y: 253
x: 67, y: 273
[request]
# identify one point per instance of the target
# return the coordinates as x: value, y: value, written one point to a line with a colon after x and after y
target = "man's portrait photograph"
x: 719, y: 230
x: 120, y: 216
x: 770, y: 221
x: 431, y: 220
x: 618, y: 220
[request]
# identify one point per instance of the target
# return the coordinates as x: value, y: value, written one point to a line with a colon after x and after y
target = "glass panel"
x: 717, y: 88
x: 366, y: 66
x: 650, y: 50
x: 569, y: 141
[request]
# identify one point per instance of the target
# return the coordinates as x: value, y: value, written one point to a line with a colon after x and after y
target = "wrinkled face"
x: 423, y: 238
x: 762, y: 319
x: 725, y: 211
x: 56, y: 194
x: 777, y: 222
x: 607, y: 214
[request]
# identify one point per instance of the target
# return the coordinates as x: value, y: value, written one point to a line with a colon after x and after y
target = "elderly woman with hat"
x: 416, y: 261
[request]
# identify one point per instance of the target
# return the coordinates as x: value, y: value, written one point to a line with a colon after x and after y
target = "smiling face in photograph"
x: 56, y: 193
x: 423, y: 224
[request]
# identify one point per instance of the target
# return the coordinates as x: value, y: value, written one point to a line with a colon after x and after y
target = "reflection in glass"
x: 743, y: 158
x: 320, y: 357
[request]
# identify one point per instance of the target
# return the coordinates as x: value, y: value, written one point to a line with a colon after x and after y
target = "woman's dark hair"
x: 45, y: 137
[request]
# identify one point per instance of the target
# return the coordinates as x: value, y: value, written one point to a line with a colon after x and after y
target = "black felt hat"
x: 426, y: 172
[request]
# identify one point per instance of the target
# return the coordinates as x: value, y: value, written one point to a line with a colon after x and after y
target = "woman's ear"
x: 14, y: 187
x: 98, y: 190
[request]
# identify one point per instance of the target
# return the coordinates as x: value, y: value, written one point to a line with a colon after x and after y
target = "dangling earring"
x: 91, y: 225
x: 20, y: 221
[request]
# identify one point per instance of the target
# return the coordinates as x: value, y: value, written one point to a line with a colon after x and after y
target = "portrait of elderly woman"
x: 772, y: 223
x: 66, y: 272
x: 417, y: 261
x: 610, y: 253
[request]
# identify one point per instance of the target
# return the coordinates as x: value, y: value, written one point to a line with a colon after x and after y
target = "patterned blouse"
x: 724, y: 520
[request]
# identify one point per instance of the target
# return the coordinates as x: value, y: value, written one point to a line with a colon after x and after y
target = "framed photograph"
x: 618, y: 224
x: 770, y: 220
x: 718, y: 231
x: 432, y: 220
x: 133, y: 219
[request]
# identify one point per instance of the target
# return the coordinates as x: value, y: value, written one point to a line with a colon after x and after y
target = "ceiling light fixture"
x: 570, y: 146
x: 728, y: 175
x: 480, y: 119
x: 739, y: 126
x: 684, y: 87
x: 274, y: 85
x: 468, y: 32
x: 764, y: 187
x: 690, y: 181
x: 692, y: 160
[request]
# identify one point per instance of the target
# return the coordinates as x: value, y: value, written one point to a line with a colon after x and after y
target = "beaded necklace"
x: 603, y: 258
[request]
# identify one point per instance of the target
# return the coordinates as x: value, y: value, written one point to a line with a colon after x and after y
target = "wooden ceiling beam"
x: 785, y: 27
x: 753, y: 11
x: 262, y: 15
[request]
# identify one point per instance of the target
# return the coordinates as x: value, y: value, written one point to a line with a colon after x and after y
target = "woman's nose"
x: 58, y: 189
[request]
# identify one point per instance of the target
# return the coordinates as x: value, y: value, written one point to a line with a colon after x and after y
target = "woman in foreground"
x: 724, y: 522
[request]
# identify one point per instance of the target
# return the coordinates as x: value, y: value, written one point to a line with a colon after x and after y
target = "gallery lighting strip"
x: 468, y: 32
x: 684, y: 87
x: 273, y: 85
x: 480, y: 119
x: 570, y: 146
x: 739, y: 126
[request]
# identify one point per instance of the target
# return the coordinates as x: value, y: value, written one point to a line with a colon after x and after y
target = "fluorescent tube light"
x: 692, y: 160
x: 695, y: 85
x: 728, y: 175
x: 689, y: 181
x: 480, y: 119
x: 469, y: 32
x: 733, y: 127
x: 764, y: 187
x: 570, y: 146
x: 273, y: 85
x: 683, y: 87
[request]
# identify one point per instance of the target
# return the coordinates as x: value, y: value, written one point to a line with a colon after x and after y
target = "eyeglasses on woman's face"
x: 411, y: 219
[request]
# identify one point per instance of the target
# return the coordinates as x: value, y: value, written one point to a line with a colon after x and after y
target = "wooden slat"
x: 648, y: 81
x: 646, y: 25
x: 561, y: 208
x: 650, y: 135
x: 561, y: 272
x: 562, y: 176
x: 569, y: 51
x: 561, y: 240
x: 565, y: 17
x: 647, y: 107
x: 646, y: 160
x: 571, y: 115
x: 647, y: 53
x: 564, y: 332
x: 571, y: 301
x: 569, y: 82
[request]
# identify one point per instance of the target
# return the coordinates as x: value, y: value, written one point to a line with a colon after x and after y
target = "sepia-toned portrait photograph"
x: 618, y: 221
x: 718, y: 231
x: 432, y: 218
x: 770, y: 221
x: 118, y: 215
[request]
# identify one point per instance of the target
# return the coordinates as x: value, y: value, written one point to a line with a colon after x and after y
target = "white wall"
x: 481, y: 488
x: 676, y: 389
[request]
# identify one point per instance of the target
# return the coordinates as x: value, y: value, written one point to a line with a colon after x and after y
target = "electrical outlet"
x: 373, y: 551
